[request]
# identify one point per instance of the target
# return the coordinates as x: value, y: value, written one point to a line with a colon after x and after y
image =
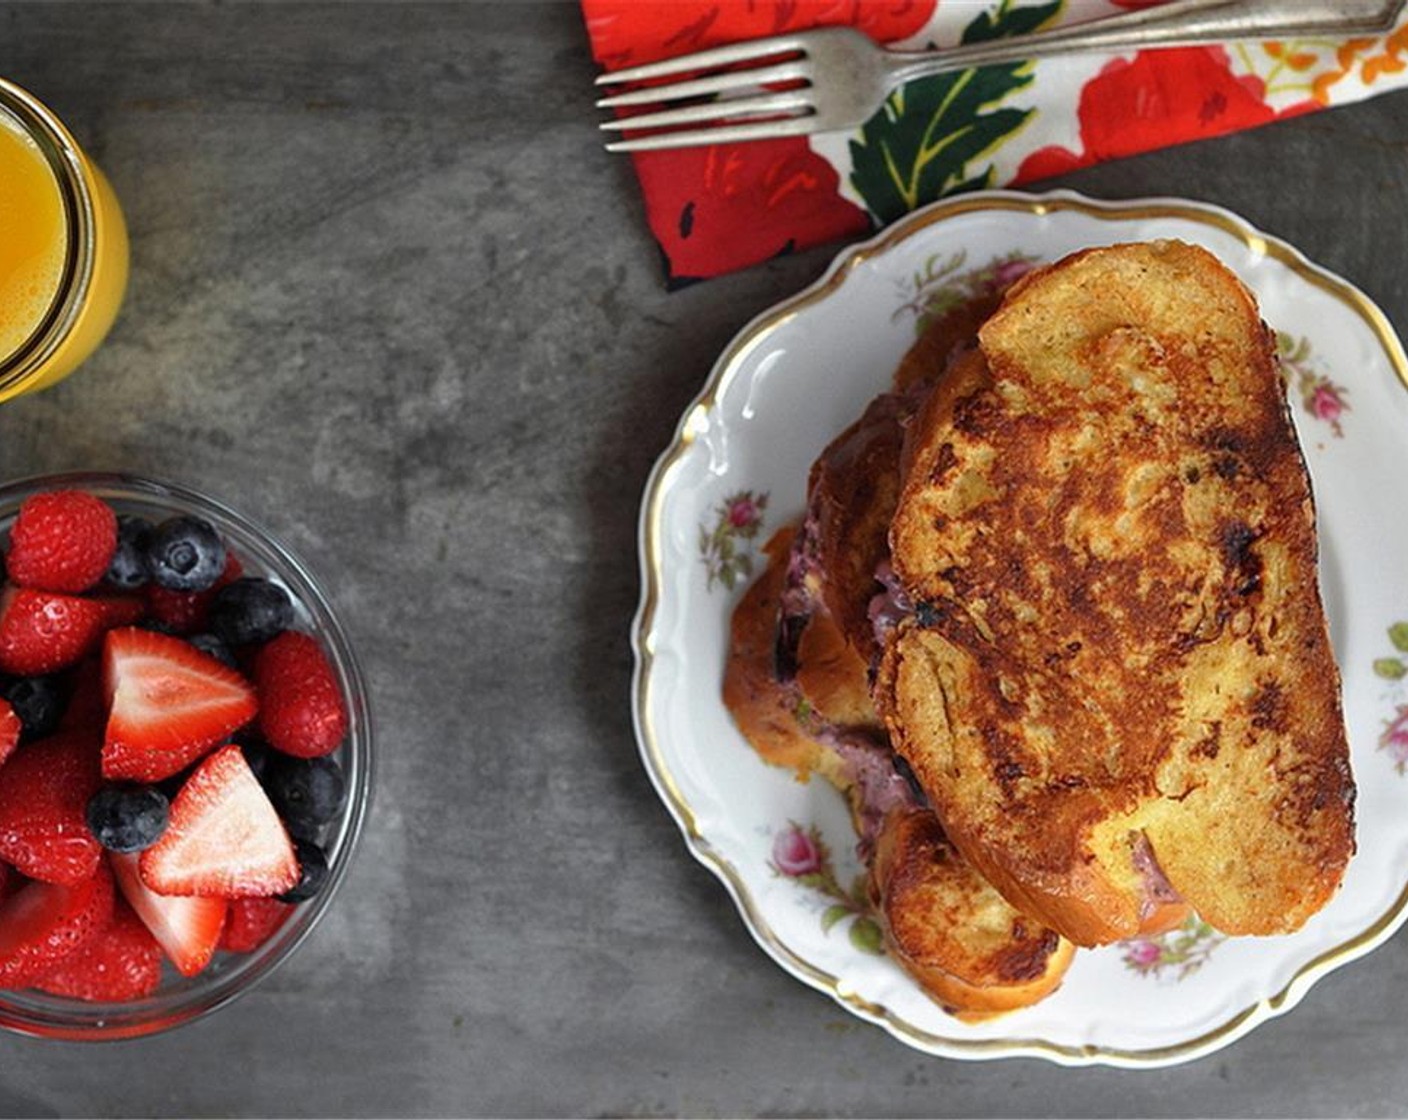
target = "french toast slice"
x: 853, y: 486
x: 964, y: 945
x: 804, y: 644
x: 813, y: 717
x: 1116, y: 687
x: 952, y: 930
x: 764, y: 709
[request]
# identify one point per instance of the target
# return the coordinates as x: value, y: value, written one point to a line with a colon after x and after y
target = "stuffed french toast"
x: 1116, y: 685
x: 805, y: 641
x: 1052, y: 625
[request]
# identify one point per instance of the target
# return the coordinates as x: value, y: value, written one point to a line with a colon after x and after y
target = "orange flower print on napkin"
x: 1375, y: 58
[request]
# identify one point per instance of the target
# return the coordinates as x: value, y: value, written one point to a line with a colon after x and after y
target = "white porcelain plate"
x: 737, y: 470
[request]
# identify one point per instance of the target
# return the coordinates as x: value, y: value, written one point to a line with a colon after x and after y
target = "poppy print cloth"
x: 727, y: 206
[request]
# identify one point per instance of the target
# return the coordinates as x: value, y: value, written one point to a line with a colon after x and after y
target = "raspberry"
x: 252, y: 922
x: 62, y: 540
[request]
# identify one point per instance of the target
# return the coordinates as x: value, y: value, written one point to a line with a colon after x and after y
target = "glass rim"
x: 38, y: 1015
x: 69, y: 166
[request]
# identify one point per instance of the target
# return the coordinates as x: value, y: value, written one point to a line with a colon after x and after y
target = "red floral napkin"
x: 727, y: 206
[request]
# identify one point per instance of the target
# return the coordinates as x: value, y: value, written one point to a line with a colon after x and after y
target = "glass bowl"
x: 181, y: 999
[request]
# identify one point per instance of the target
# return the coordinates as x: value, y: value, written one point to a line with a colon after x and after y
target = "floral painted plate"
x: 737, y: 470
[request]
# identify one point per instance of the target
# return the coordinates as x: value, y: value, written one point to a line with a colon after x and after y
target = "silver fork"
x: 836, y: 78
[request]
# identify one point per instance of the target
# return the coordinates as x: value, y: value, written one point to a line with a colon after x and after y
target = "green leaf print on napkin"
x: 917, y: 147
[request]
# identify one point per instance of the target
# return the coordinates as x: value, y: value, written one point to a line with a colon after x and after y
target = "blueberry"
x: 39, y: 702
x: 128, y: 569
x: 128, y: 818
x: 312, y: 871
x: 307, y: 792
x: 250, y: 610
x: 186, y: 554
x: 215, y: 647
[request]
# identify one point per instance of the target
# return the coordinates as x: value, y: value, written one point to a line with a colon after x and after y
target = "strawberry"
x: 41, y: 631
x: 187, y: 929
x: 10, y: 728
x: 252, y: 922
x: 301, y: 709
x: 186, y: 612
x: 44, y: 792
x: 168, y: 704
x: 224, y: 838
x: 42, y: 923
x: 121, y: 963
x: 62, y: 540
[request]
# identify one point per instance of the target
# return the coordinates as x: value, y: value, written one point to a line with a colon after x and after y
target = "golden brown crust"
x: 1107, y: 525
x: 968, y: 947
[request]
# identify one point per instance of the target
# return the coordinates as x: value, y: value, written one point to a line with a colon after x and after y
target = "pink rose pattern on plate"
x: 738, y: 519
x: 1319, y: 396
x: 1175, y: 955
x: 800, y: 854
x: 941, y: 285
x: 1394, y: 668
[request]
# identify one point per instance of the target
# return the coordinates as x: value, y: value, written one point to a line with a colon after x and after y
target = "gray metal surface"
x: 391, y: 297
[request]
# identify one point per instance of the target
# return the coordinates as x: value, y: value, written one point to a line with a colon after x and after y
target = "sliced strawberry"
x: 121, y: 963
x: 168, y: 704
x: 301, y: 709
x: 186, y: 612
x: 252, y: 922
x: 10, y: 728
x: 42, y: 923
x: 187, y: 929
x: 42, y: 631
x: 62, y: 540
x: 44, y: 792
x: 224, y: 838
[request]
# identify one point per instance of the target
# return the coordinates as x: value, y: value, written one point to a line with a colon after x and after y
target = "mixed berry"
x: 167, y: 742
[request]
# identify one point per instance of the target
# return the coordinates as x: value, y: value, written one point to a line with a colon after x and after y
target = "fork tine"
x: 714, y: 111
x: 702, y: 60
x: 717, y: 83
x: 697, y: 137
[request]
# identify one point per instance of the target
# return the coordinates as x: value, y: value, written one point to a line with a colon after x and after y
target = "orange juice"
x: 63, y: 248
x: 33, y: 236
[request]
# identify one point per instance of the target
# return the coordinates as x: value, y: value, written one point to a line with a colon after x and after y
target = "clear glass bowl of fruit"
x: 185, y: 755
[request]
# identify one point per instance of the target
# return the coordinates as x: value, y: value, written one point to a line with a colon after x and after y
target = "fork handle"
x: 1178, y: 23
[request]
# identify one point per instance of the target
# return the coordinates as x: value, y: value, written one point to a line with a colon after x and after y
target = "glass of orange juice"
x: 63, y: 248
